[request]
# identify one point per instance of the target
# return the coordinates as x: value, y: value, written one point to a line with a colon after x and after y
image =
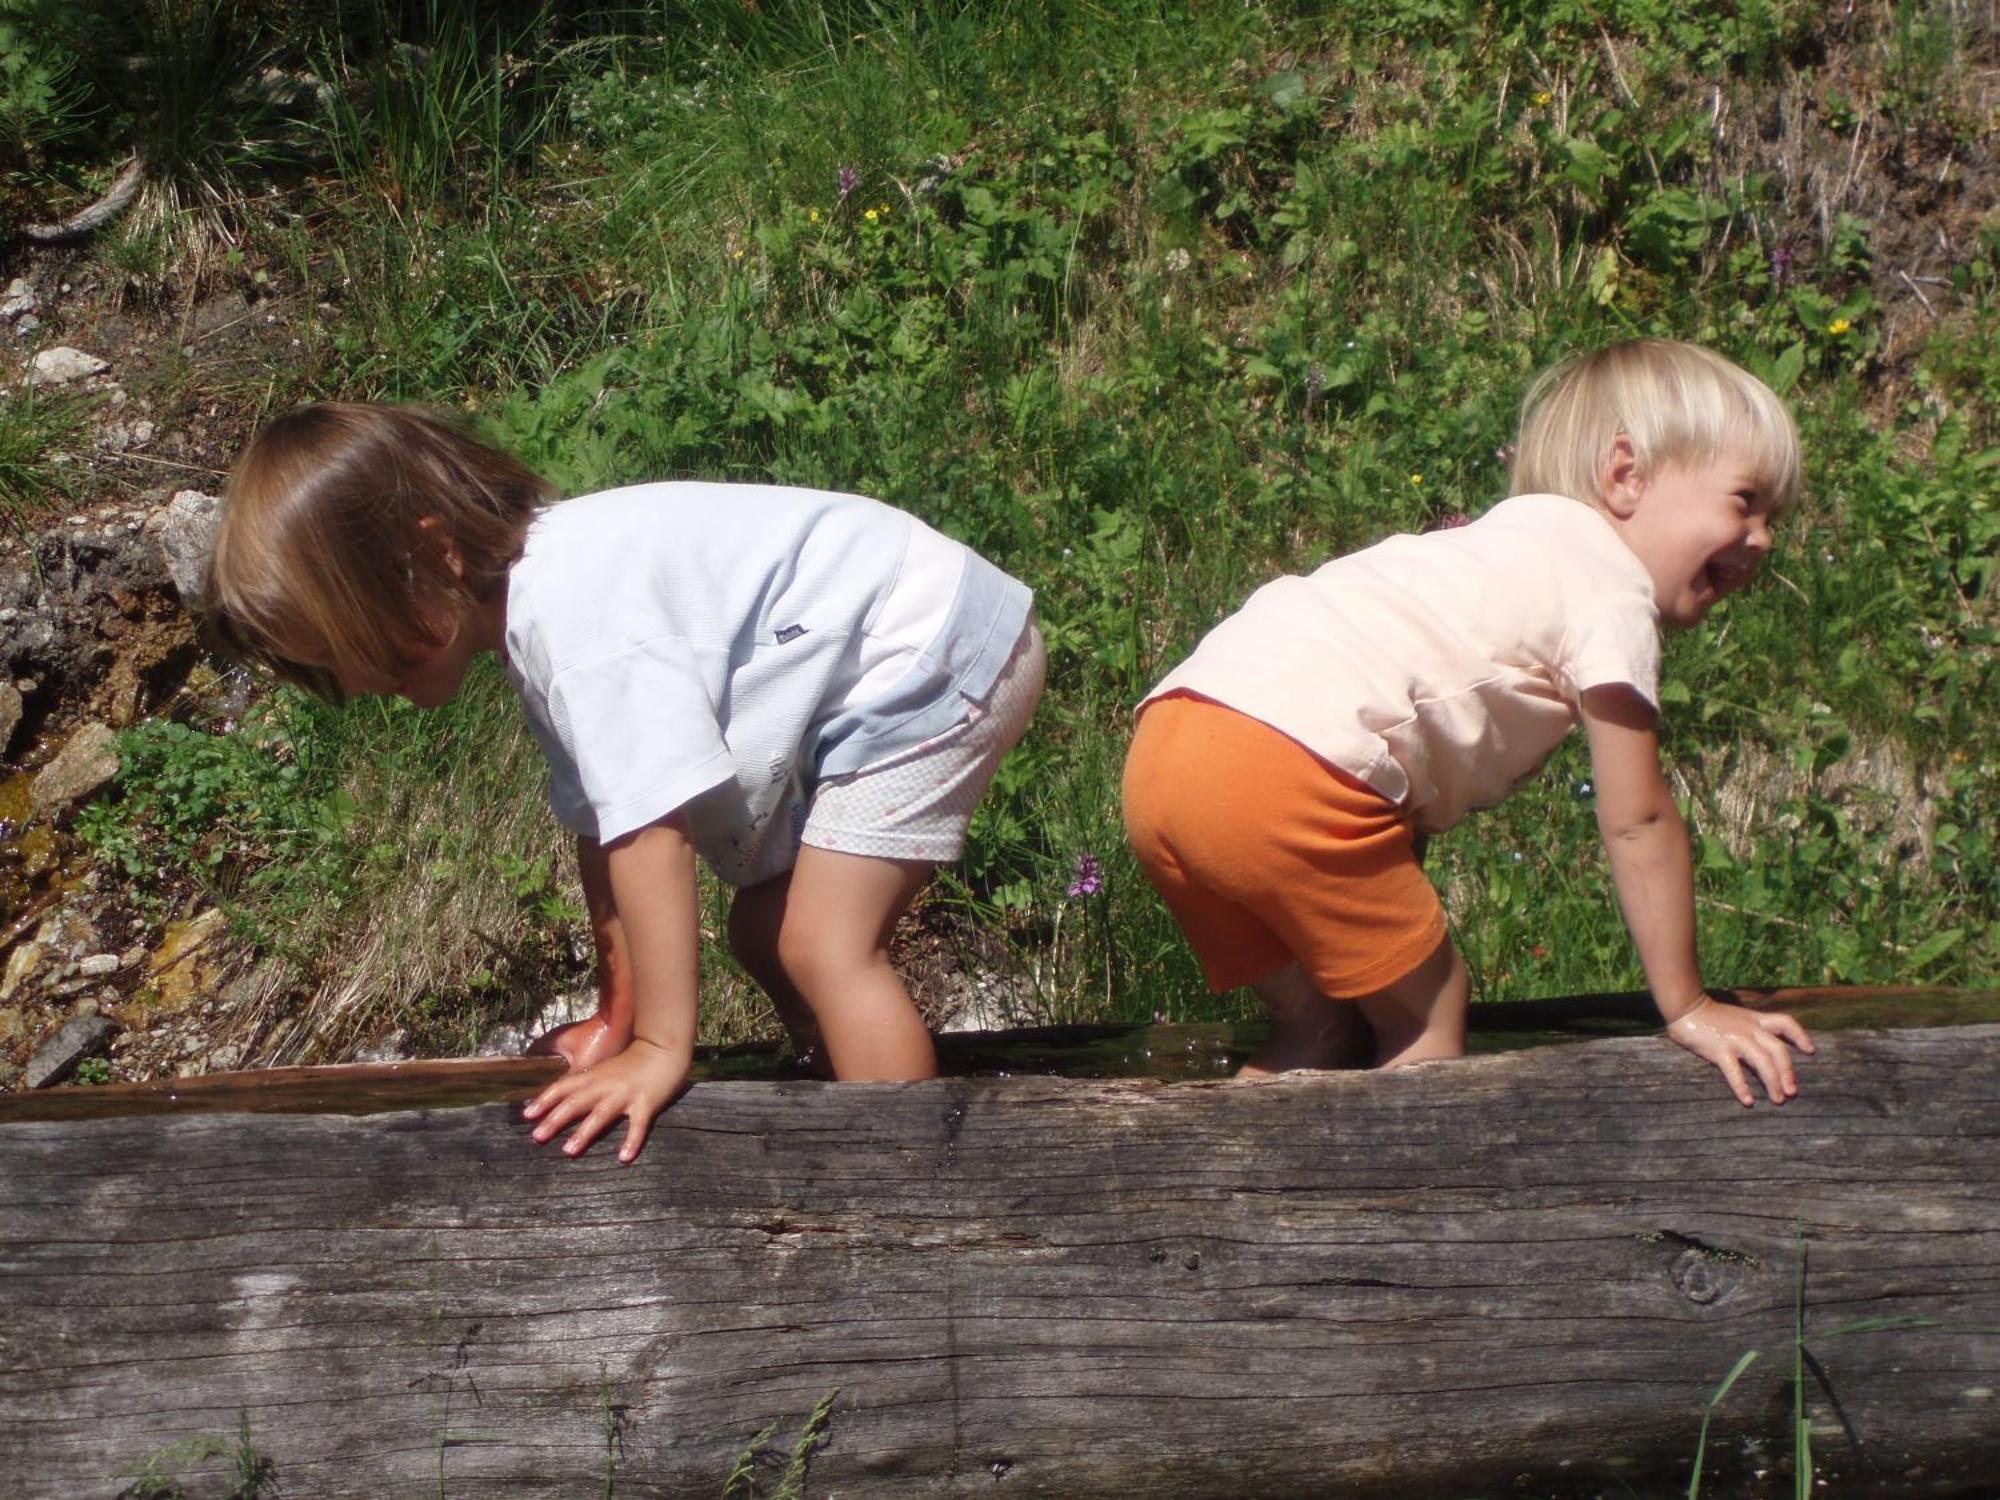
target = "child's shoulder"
x: 712, y: 505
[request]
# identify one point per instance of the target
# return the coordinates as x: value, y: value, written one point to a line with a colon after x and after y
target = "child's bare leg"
x: 755, y: 918
x: 833, y: 945
x: 1307, y: 1029
x: 1422, y: 1015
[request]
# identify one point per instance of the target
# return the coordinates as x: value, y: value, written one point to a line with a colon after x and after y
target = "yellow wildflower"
x: 812, y: 216
x: 870, y: 215
x: 1838, y: 326
x: 1544, y: 99
x: 1416, y: 479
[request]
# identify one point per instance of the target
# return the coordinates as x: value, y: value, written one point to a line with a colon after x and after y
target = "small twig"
x: 1919, y: 292
x: 1744, y: 911
x: 209, y: 333
x: 147, y: 458
x: 1787, y: 582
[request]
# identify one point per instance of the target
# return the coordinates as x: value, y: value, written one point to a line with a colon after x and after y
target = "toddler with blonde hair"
x: 1282, y: 779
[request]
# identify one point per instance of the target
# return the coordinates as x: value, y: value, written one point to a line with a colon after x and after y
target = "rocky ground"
x: 94, y: 634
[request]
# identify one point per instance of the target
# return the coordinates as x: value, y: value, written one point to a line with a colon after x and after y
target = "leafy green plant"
x: 93, y: 1070
x: 42, y: 102
x: 239, y: 811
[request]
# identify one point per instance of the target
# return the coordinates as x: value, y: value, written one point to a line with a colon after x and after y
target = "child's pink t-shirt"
x: 1441, y: 669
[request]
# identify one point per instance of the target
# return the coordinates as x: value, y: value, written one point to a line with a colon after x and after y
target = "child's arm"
x: 1647, y: 844
x: 649, y: 929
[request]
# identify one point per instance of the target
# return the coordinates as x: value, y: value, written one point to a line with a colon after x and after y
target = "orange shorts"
x: 1267, y: 854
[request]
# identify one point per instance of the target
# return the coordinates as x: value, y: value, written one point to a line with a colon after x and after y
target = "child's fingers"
x: 638, y: 1122
x: 594, y: 1124
x: 1780, y: 1024
x: 1732, y: 1072
x: 551, y: 1096
x: 559, y: 1112
x: 1773, y: 1063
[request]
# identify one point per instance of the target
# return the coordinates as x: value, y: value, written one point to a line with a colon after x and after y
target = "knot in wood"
x: 1702, y: 1277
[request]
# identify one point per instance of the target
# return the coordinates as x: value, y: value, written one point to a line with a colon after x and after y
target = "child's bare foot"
x: 1348, y: 1044
x: 582, y: 1044
x: 1308, y: 1031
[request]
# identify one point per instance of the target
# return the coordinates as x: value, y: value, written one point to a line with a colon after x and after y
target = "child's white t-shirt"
x: 1441, y: 669
x: 724, y: 647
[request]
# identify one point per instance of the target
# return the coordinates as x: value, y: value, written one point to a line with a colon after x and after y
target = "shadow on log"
x: 1520, y: 1274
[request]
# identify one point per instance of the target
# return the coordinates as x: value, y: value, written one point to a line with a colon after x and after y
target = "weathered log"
x: 1522, y: 1273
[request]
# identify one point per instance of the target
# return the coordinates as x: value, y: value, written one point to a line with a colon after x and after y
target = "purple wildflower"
x: 847, y: 180
x: 1781, y: 265
x: 1453, y: 521
x: 1089, y: 877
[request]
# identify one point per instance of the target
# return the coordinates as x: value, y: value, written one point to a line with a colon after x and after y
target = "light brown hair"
x: 1681, y: 405
x: 351, y: 533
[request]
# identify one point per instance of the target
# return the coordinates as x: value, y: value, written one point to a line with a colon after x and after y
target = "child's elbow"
x: 1639, y: 822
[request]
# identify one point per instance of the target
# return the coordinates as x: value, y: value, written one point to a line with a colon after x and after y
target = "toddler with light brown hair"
x: 810, y: 690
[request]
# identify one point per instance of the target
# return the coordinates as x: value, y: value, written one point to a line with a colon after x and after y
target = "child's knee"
x: 819, y: 956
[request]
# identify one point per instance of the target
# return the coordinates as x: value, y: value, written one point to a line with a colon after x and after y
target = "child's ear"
x: 435, y: 535
x: 1620, y: 484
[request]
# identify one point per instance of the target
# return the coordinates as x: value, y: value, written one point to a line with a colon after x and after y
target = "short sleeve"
x: 1616, y: 643
x: 640, y: 732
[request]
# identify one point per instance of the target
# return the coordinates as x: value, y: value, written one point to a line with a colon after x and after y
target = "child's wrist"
x: 1674, y: 1015
x: 681, y: 1053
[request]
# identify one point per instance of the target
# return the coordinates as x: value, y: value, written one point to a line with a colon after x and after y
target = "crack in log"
x: 1700, y: 1247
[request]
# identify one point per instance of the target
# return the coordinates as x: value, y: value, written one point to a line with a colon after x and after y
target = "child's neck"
x: 488, y: 620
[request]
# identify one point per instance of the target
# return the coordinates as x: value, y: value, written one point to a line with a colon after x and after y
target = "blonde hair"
x: 347, y: 533
x: 1681, y: 405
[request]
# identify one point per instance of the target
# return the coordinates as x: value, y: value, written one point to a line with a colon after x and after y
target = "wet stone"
x: 85, y: 763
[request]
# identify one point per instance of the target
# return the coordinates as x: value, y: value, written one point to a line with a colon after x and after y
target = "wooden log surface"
x: 1522, y: 1273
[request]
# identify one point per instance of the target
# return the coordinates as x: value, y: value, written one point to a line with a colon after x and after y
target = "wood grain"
x: 1515, y: 1274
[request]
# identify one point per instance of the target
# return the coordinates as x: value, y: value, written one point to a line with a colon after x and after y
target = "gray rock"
x: 19, y: 298
x: 62, y: 585
x: 26, y: 324
x: 10, y: 712
x: 85, y: 763
x: 125, y: 437
x: 184, y: 530
x: 62, y: 364
x: 78, y: 1038
x: 97, y: 965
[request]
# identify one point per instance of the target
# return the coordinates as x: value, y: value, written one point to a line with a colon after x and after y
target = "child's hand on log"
x: 1729, y: 1036
x: 637, y: 1083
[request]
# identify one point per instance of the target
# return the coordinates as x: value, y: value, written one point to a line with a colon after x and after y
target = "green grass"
x: 1150, y: 302
x: 38, y: 432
